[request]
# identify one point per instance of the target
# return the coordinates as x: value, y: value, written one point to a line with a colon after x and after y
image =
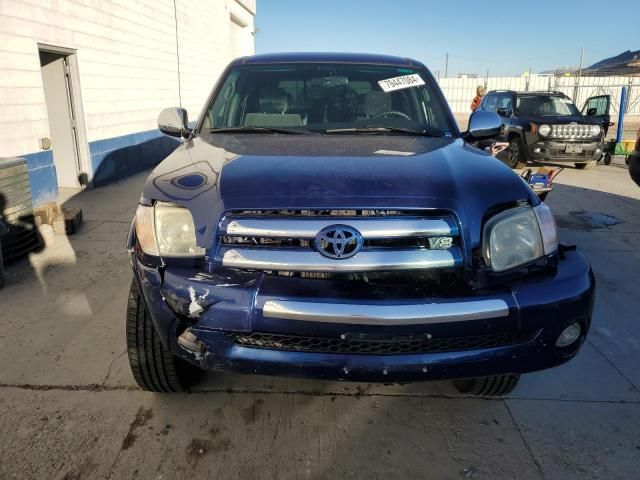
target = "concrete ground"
x: 69, y: 408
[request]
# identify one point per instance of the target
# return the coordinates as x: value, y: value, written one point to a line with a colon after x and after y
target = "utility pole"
x: 575, y: 91
x: 580, y: 68
x: 446, y: 65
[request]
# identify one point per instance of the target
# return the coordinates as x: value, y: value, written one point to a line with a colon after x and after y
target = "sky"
x: 538, y: 35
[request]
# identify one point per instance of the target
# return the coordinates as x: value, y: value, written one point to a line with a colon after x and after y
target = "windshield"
x: 545, y: 105
x: 325, y: 98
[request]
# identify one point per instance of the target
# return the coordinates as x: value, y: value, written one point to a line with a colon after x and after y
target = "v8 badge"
x: 440, y: 243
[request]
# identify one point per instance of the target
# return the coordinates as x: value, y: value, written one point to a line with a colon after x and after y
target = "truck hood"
x: 213, y: 173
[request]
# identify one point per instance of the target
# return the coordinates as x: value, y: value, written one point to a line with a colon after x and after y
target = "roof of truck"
x: 327, y: 57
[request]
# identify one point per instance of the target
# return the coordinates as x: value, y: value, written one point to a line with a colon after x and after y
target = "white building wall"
x: 205, y: 52
x: 127, y: 61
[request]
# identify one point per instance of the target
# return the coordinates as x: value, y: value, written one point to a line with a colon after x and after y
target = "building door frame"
x: 85, y: 171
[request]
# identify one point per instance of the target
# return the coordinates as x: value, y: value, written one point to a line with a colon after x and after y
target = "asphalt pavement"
x: 69, y: 408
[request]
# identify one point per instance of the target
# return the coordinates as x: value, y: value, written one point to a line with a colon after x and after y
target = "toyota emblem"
x: 338, y: 241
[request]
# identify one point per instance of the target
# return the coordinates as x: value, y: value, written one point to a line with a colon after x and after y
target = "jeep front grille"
x: 571, y: 131
x: 392, y: 240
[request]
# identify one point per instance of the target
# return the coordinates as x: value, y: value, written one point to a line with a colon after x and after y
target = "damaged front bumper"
x: 246, y: 322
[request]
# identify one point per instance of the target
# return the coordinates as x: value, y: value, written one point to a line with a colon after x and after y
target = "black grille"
x: 255, y: 242
x: 329, y: 213
x: 400, y: 346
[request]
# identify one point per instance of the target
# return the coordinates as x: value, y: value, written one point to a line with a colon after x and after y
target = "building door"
x: 57, y: 79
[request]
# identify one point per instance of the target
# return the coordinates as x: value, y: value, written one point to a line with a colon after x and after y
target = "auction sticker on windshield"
x: 398, y: 83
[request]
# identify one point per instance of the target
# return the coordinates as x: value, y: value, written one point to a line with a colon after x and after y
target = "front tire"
x: 494, y: 386
x: 587, y: 165
x: 154, y: 367
x: 515, y: 158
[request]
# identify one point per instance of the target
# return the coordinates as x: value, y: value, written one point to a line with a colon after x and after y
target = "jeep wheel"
x: 587, y: 165
x: 154, y: 367
x: 515, y: 157
x: 496, y: 386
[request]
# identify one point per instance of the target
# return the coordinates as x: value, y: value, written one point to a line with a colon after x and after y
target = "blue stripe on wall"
x: 119, y: 157
x: 42, y: 176
x: 111, y: 159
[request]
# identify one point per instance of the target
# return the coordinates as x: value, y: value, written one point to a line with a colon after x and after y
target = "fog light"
x: 569, y: 335
x: 536, y: 150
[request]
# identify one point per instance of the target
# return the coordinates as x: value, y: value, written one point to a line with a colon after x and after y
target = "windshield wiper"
x: 406, y: 131
x: 249, y: 129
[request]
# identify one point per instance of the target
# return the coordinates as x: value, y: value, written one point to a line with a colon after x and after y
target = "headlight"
x: 166, y: 230
x: 519, y: 236
x: 145, y: 230
x: 544, y: 130
x: 594, y: 130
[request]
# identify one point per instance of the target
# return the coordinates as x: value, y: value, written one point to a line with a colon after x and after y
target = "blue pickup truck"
x: 326, y: 218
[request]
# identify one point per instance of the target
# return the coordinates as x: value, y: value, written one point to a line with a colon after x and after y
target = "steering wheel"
x: 393, y: 113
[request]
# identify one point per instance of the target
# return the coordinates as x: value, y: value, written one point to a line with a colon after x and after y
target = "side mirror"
x: 483, y: 125
x: 503, y: 112
x: 174, y: 122
x: 592, y: 111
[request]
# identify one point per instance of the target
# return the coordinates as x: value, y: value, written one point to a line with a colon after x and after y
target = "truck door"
x: 597, y: 108
x: 504, y: 108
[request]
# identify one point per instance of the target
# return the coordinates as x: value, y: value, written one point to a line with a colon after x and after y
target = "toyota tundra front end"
x: 325, y: 218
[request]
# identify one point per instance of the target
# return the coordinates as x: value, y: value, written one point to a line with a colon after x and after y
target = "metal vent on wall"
x: 16, y: 209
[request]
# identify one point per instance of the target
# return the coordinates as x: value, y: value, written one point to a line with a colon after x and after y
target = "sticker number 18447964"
x: 398, y: 83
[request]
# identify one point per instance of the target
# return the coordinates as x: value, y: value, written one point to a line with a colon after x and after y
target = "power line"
x: 175, y: 17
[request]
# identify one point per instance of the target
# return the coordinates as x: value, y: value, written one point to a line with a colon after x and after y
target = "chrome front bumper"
x: 390, y: 315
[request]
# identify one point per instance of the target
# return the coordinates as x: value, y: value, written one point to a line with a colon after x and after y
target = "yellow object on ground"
x: 625, y: 147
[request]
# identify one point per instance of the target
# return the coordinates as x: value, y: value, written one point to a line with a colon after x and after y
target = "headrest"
x: 273, y: 100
